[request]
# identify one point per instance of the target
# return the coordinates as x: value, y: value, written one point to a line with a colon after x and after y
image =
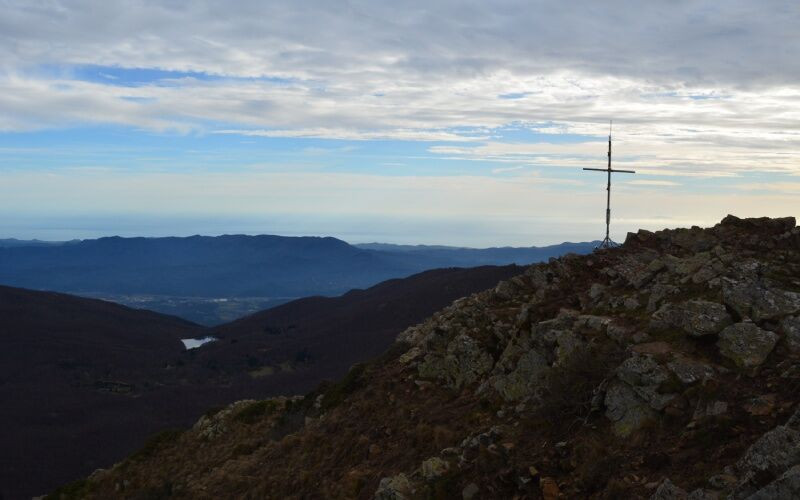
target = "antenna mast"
x: 607, y: 241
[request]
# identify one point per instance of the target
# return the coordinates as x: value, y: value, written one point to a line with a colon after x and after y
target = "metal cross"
x: 607, y: 241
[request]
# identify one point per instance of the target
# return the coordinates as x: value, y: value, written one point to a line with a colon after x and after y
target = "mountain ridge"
x: 251, y: 272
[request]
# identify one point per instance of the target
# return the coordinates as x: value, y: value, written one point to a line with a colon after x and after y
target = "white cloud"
x: 652, y: 183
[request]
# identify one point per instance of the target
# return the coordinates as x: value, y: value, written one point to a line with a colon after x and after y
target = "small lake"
x: 195, y: 343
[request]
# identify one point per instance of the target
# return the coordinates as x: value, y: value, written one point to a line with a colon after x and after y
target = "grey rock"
x: 794, y: 420
x: 644, y: 375
x: 619, y: 333
x: 702, y: 494
x: 708, y: 272
x: 690, y: 371
x: 625, y: 409
x: 522, y: 381
x: 410, y: 355
x: 505, y: 290
x: 212, y: 426
x: 596, y: 291
x: 695, y: 317
x: 394, y: 488
x: 433, y: 468
x: 631, y: 303
x: 641, y: 370
x: 469, y: 491
x: 711, y: 409
x: 658, y: 293
x: 791, y: 332
x: 464, y: 363
x: 518, y: 370
x: 746, y: 344
x: 592, y: 323
x: 668, y: 491
x: 772, y: 453
x: 722, y: 481
x: 753, y: 299
x: 567, y: 343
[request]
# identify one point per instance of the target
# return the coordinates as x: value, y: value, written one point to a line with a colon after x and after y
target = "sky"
x: 438, y: 122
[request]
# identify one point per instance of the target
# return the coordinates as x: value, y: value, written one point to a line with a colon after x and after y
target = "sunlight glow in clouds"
x: 436, y: 110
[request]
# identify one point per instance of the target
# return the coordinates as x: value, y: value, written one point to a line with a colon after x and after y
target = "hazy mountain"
x: 13, y: 242
x: 83, y: 382
x: 180, y: 275
x: 460, y: 256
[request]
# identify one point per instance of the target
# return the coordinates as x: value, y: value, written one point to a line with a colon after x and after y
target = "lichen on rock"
x: 746, y: 344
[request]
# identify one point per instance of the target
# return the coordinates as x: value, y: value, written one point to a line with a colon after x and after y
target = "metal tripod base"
x: 607, y: 243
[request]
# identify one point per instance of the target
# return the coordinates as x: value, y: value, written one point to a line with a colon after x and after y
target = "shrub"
x: 346, y: 386
x: 253, y: 412
x: 568, y: 389
x: 157, y: 442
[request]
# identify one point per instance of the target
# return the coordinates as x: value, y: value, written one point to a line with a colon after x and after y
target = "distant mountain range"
x: 83, y: 382
x: 470, y: 257
x: 13, y: 242
x: 179, y: 275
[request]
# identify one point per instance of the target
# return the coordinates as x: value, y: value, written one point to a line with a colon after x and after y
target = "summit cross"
x: 607, y: 241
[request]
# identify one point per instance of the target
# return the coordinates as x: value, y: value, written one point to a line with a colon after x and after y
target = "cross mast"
x: 607, y: 241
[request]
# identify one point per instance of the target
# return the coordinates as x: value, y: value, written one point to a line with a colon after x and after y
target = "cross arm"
x: 612, y: 170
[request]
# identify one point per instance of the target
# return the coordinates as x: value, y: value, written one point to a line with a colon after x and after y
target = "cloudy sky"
x: 438, y: 121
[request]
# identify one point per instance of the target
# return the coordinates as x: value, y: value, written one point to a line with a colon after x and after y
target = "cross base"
x: 606, y: 243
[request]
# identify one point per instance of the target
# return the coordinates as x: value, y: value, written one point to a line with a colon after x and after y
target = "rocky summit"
x: 668, y: 368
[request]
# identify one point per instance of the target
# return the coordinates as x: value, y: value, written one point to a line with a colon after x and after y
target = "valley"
x: 87, y: 381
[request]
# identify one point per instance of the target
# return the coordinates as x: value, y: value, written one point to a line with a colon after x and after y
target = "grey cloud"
x: 735, y: 43
x: 414, y: 70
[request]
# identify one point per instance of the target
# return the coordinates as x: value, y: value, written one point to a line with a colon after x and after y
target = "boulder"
x: 625, y: 409
x: 469, y: 491
x: 567, y: 343
x: 394, y: 488
x: 695, y: 317
x: 751, y: 299
x: 773, y: 453
x: 668, y: 491
x: 522, y: 380
x: 791, y: 332
x: 690, y: 371
x: 433, y: 468
x: 658, y: 293
x: 644, y: 375
x: 746, y: 344
x: 464, y: 363
x: 410, y: 355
